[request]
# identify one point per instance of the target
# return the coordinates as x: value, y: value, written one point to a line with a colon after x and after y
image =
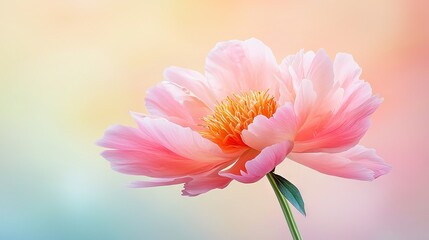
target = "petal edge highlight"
x: 357, y: 163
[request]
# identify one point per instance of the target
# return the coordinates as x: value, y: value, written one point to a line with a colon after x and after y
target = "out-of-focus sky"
x: 70, y: 68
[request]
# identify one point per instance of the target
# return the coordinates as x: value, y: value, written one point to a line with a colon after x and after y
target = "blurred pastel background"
x: 70, y: 68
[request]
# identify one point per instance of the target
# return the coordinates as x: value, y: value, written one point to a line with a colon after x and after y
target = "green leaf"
x: 290, y: 192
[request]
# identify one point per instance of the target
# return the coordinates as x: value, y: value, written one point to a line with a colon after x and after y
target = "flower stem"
x: 285, y: 208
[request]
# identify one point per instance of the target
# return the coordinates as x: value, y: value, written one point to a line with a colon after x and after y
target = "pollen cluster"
x: 234, y: 114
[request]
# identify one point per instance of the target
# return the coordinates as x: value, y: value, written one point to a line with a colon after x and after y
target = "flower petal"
x: 193, y: 185
x: 161, y: 149
x: 264, y: 132
x: 312, y: 79
x: 194, y: 81
x: 239, y: 66
x: 157, y: 182
x: 305, y: 100
x: 176, y: 104
x: 205, y: 182
x: 332, y: 105
x: 321, y: 73
x: 357, y: 163
x: 339, y: 131
x: 346, y: 70
x: 256, y: 168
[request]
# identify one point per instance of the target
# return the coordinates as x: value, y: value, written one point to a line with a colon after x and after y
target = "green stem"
x: 285, y: 208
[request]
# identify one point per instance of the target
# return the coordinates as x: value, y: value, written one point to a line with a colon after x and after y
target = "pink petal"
x: 194, y: 81
x: 321, y: 73
x: 340, y: 131
x: 181, y: 140
x: 205, y: 182
x: 346, y: 70
x: 313, y: 79
x: 157, y: 182
x: 264, y: 132
x: 161, y: 149
x: 332, y: 105
x: 254, y: 169
x: 355, y: 95
x: 122, y: 137
x: 194, y: 184
x: 176, y: 104
x: 240, y: 66
x: 357, y: 163
x: 305, y: 100
x: 295, y: 66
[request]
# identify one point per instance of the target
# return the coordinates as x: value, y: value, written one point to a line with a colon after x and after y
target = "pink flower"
x: 244, y: 116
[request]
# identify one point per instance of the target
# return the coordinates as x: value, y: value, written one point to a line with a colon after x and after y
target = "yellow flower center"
x: 234, y: 114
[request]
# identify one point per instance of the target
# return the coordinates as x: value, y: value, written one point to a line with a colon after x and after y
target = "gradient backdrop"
x: 70, y: 68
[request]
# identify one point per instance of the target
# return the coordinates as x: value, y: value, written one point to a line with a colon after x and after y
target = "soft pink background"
x: 70, y: 68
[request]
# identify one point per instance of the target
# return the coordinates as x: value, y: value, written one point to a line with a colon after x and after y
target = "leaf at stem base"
x: 290, y: 192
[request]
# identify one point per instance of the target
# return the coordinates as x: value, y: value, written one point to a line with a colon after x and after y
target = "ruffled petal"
x: 321, y: 73
x: 346, y: 70
x: 264, y: 132
x: 332, y: 105
x: 293, y: 66
x: 357, y: 163
x: 205, y: 182
x: 338, y: 131
x: 304, y: 102
x: 193, y: 185
x: 252, y: 169
x: 192, y: 80
x: 238, y: 66
x: 161, y: 149
x: 177, y: 104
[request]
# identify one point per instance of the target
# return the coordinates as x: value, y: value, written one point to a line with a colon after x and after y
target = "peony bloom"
x: 244, y: 116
